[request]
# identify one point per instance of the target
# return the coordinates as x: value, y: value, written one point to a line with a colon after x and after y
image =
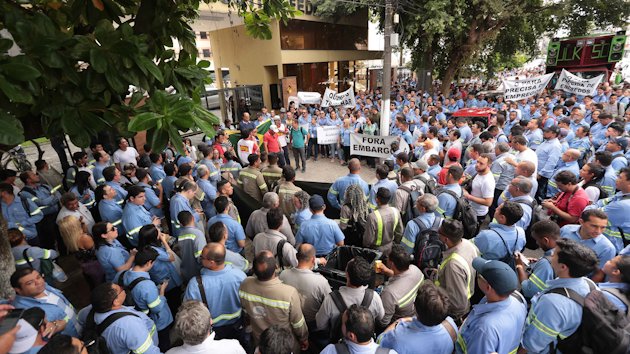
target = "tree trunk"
x: 7, y: 264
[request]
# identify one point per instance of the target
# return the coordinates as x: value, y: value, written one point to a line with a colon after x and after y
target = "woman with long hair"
x: 164, y: 268
x: 79, y: 243
x: 112, y: 256
x: 83, y: 190
x: 185, y: 192
x: 302, y: 211
x: 353, y: 216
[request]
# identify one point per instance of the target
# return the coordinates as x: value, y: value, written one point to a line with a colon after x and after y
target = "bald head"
x: 572, y: 155
x: 354, y: 165
x: 214, y: 255
x: 306, y: 253
x: 525, y: 168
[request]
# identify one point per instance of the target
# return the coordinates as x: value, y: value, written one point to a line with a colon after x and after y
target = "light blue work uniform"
x: 381, y: 183
x: 502, y: 171
x: 86, y: 198
x: 221, y: 287
x: 603, y: 248
x: 337, y: 190
x: 164, y: 269
x: 552, y: 186
x: 623, y: 287
x: 157, y: 173
x: 525, y: 202
x: 534, y: 138
x: 300, y: 216
x: 168, y: 185
x: 111, y: 256
x: 34, y: 255
x: 548, y: 154
x: 62, y: 309
x: 490, y: 245
x: 215, y: 175
x: 112, y: 212
x: 446, y: 202
x: 541, y: 273
x: 191, y: 242
x: 97, y: 173
x: 121, y: 193
x: 19, y: 218
x: 147, y: 297
x: 135, y: 334
x: 180, y: 203
x: 320, y: 232
x: 406, y: 336
x: 209, y: 195
x: 465, y: 133
x: 412, y: 230
x: 235, y: 231
x: 616, y: 207
x: 44, y: 197
x: 152, y: 201
x: 133, y: 219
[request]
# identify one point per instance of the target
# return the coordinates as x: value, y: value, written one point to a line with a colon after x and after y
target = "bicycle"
x: 17, y: 158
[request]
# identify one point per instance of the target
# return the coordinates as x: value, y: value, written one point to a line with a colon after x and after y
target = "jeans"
x: 313, y: 148
x: 346, y: 153
x: 287, y: 159
x: 299, y: 153
x: 334, y: 149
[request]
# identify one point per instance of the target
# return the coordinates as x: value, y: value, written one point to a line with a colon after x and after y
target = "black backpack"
x: 538, y: 214
x: 465, y: 213
x: 342, y: 348
x: 279, y: 254
x: 430, y: 186
x: 509, y: 257
x: 335, y: 332
x: 604, y: 328
x: 427, y: 251
x: 411, y: 212
x: 92, y: 333
x: 129, y: 301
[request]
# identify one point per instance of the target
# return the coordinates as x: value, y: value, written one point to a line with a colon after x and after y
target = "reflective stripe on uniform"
x: 265, y: 301
x: 537, y: 282
x: 263, y: 186
x: 272, y: 174
x: 299, y: 323
x: 37, y: 211
x: 344, y: 220
x: 145, y: 345
x: 248, y: 174
x: 543, y: 328
x: 227, y: 316
x: 410, y: 296
x: 46, y: 254
x: 459, y: 259
x: 407, y: 242
x: 23, y: 261
x: 462, y: 343
x: 117, y: 222
x: 155, y: 303
x: 58, y: 187
x: 120, y: 202
x: 379, y: 228
x: 186, y: 237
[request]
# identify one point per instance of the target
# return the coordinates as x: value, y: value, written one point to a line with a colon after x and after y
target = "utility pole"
x: 387, y: 68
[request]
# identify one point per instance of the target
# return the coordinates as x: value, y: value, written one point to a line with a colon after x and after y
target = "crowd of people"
x: 173, y: 268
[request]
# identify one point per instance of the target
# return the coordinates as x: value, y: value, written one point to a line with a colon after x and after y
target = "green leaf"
x: 81, y: 139
x: 167, y: 54
x: 150, y: 66
x: 98, y: 61
x: 5, y: 44
x: 15, y: 93
x: 176, y: 139
x: 12, y: 131
x: 159, y: 139
x: 144, y: 121
x: 20, y: 71
x: 74, y: 97
x: 70, y: 122
x: 53, y: 60
x: 203, y: 64
x: 95, y: 82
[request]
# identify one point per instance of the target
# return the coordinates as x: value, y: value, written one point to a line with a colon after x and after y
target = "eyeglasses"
x: 112, y: 229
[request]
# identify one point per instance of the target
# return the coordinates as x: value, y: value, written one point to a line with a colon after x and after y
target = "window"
x: 203, y: 35
x: 298, y: 34
x: 206, y: 53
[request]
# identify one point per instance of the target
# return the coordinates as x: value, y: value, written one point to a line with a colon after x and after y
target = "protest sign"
x: 570, y: 83
x: 309, y: 97
x: 514, y: 90
x: 332, y: 98
x: 373, y: 145
x: 328, y: 134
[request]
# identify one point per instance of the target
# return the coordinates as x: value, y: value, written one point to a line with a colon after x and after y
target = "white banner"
x: 374, y: 145
x: 346, y: 98
x: 570, y: 83
x: 328, y: 134
x: 309, y: 97
x: 514, y: 90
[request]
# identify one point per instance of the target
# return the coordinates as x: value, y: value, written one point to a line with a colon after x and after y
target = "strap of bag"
x: 451, y: 331
x: 367, y: 298
x: 619, y: 295
x: 131, y: 285
x: 504, y: 244
x: 339, y: 303
x: 342, y: 348
x: 101, y: 327
x: 436, y: 223
x: 202, y: 291
x: 25, y: 256
x: 569, y: 293
x: 279, y: 254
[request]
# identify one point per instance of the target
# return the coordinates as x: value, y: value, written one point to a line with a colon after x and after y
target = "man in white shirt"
x: 482, y: 187
x: 125, y: 154
x: 194, y: 324
x: 519, y: 144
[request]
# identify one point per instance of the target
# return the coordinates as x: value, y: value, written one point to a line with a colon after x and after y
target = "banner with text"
x: 332, y: 98
x: 327, y: 134
x: 514, y: 90
x: 570, y: 83
x: 309, y: 97
x: 374, y: 145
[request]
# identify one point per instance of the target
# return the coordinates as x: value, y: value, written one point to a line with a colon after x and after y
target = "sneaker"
x: 303, y: 170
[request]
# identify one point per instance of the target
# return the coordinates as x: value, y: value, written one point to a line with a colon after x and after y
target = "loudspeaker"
x: 553, y: 50
x: 616, y: 48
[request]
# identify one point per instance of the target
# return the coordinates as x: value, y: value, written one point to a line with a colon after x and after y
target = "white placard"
x: 372, y: 145
x: 309, y: 97
x: 514, y: 90
x: 570, y: 83
x: 328, y: 134
x: 332, y: 98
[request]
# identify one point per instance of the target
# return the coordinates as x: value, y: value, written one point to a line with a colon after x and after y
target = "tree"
x: 75, y: 60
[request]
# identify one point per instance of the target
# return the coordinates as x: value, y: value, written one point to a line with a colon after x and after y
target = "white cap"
x: 25, y: 337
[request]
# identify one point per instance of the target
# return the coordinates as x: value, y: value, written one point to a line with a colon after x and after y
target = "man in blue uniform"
x: 320, y: 231
x: 337, y: 191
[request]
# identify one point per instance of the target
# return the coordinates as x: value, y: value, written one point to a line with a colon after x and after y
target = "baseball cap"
x: 621, y: 141
x: 498, y: 274
x: 421, y: 165
x: 27, y: 334
x: 454, y: 154
x: 283, y: 110
x: 316, y: 202
x: 553, y: 129
x: 274, y: 128
x: 276, y: 117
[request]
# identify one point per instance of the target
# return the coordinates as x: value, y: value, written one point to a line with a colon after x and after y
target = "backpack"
x: 129, y: 301
x: 335, y: 331
x: 427, y: 251
x: 465, y: 213
x: 430, y: 186
x: 410, y: 211
x: 46, y: 266
x: 279, y: 254
x: 538, y: 214
x: 92, y: 333
x: 342, y: 348
x: 603, y: 329
x: 66, y: 184
x: 509, y: 257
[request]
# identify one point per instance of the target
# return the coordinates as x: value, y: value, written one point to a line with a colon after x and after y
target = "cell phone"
x: 10, y: 320
x: 524, y: 259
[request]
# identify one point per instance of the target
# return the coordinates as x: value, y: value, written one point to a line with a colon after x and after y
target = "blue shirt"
x: 552, y: 315
x: 337, y: 190
x: 300, y: 216
x: 382, y: 183
x: 191, y: 241
x: 53, y: 311
x: 525, y: 203
x: 152, y: 201
x: 97, y: 172
x: 168, y: 185
x: 111, y: 256
x: 623, y: 287
x: 209, y: 195
x: 412, y: 230
x: 616, y: 207
x: 235, y: 231
x: 157, y: 173
x: 548, y: 154
x: 320, y: 232
x: 582, y: 145
x: 147, y: 296
x: 466, y: 133
x: 44, y: 198
x: 345, y: 136
x: 121, y: 193
x: 603, y: 248
x: 552, y: 186
x: 86, y: 198
x: 180, y: 203
x: 130, y: 333
x: 493, y: 327
x: 491, y: 246
x: 112, y: 212
x: 406, y: 336
x: 19, y: 218
x: 534, y: 138
x: 446, y: 202
x: 222, y: 297
x: 133, y: 219
x: 540, y: 275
